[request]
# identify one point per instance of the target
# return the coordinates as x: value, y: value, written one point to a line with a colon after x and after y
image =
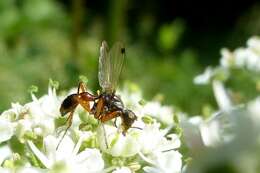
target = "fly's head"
x: 128, y: 118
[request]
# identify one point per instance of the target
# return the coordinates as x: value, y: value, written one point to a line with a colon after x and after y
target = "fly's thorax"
x: 112, y: 101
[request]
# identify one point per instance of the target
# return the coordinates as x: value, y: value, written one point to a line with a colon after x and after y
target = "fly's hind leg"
x: 69, y: 122
x: 82, y: 87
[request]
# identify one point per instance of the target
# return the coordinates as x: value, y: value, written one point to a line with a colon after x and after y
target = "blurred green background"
x: 167, y: 44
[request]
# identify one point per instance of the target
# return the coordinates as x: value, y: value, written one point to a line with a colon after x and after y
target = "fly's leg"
x: 82, y: 87
x: 110, y: 115
x: 99, y: 108
x: 105, y: 117
x: 69, y: 122
x: 84, y: 97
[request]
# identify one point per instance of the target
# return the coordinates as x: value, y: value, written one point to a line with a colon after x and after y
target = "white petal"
x: 191, y: 133
x: 64, y: 151
x: 6, y: 130
x: 155, y: 109
x: 205, y: 77
x: 170, y: 161
x: 210, y: 133
x: 44, y: 160
x: 5, y: 153
x: 221, y: 96
x: 90, y: 160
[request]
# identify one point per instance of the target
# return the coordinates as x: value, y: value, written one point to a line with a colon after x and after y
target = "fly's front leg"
x: 99, y: 108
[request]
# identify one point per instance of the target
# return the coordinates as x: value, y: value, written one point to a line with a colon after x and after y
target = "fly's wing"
x: 110, y: 65
x: 104, y: 67
x: 117, y: 56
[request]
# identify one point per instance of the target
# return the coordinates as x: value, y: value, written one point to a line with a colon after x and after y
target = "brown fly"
x: 106, y: 105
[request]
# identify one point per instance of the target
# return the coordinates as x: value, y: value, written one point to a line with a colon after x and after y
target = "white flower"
x: 227, y: 59
x: 67, y: 155
x: 164, y: 162
x: 43, y: 111
x: 214, y: 131
x: 118, y: 144
x: 17, y: 111
x: 199, y: 133
x: 36, y: 120
x: 254, y: 44
x: 248, y: 57
x: 152, y: 138
x: 156, y: 110
x: 147, y: 140
x: 122, y: 170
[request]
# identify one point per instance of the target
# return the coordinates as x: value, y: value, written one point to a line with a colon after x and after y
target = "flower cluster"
x: 228, y: 140
x: 242, y: 58
x: 30, y: 133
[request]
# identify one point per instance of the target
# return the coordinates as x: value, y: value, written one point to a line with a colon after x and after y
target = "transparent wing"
x: 110, y: 65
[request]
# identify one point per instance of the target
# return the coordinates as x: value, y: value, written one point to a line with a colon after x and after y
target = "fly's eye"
x: 131, y: 115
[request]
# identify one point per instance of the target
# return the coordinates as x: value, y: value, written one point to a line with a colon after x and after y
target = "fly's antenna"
x: 139, y: 128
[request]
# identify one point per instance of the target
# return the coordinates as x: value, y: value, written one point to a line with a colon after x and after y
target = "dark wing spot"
x: 123, y: 50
